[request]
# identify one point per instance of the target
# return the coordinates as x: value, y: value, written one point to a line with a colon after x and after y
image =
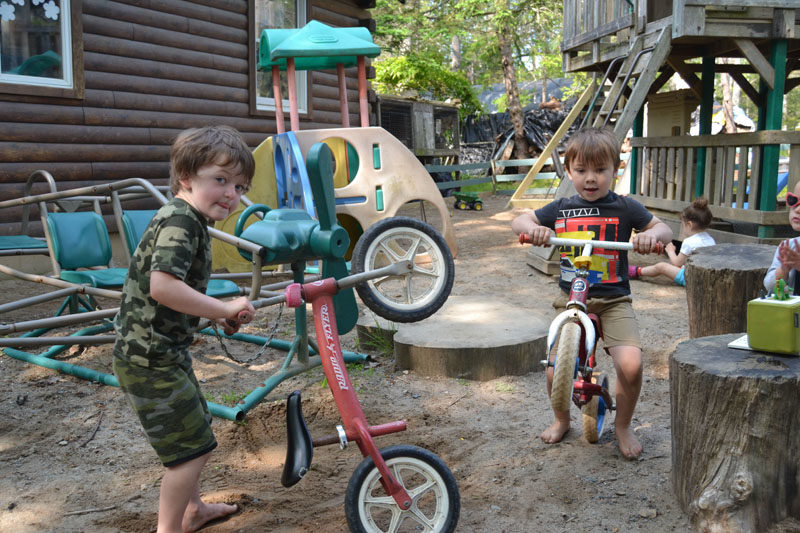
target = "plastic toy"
x: 467, y: 200
x: 375, y: 175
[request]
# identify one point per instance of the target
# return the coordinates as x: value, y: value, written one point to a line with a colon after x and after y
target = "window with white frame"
x: 36, y: 43
x: 275, y: 14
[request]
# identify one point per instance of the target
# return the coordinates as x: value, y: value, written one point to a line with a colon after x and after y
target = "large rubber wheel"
x: 462, y: 205
x: 478, y: 206
x: 416, y: 294
x: 564, y: 370
x: 593, y: 414
x: 435, y: 501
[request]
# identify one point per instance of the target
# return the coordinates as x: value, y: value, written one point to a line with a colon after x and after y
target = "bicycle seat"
x: 299, y: 449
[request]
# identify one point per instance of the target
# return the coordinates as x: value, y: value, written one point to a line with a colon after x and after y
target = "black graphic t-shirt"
x: 612, y: 218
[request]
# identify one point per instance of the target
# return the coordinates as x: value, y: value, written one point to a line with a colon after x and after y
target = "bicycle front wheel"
x: 564, y: 369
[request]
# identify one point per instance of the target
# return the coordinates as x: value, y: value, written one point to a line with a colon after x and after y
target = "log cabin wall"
x: 150, y: 70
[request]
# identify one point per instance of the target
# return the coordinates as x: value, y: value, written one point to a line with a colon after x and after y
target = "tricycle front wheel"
x: 435, y: 502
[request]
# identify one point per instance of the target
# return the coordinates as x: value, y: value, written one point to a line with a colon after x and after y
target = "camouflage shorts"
x: 170, y: 407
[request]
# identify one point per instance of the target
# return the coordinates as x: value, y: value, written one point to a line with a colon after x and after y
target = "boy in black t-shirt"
x: 597, y: 213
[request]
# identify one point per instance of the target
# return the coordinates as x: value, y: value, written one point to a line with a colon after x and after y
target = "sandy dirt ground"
x: 73, y: 457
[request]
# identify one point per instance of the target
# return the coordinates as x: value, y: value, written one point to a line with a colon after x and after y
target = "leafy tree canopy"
x: 425, y: 74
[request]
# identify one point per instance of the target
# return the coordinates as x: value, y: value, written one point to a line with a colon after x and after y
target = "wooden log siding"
x: 151, y: 69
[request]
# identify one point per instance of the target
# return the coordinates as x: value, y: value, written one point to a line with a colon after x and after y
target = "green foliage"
x: 425, y: 74
x: 501, y: 102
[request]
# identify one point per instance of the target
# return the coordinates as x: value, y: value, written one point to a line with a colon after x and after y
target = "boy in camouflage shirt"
x: 163, y: 300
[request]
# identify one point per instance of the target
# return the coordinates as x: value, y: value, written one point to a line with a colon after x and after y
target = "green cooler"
x: 774, y: 325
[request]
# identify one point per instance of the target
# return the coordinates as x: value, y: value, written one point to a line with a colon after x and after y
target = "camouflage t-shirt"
x: 148, y: 333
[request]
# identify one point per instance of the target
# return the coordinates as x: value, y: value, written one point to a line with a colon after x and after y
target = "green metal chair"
x: 80, y: 241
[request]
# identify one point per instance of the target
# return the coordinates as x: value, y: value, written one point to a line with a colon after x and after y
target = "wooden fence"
x: 494, y: 173
x: 666, y: 174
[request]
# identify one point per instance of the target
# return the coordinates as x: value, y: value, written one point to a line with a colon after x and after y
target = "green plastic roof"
x: 315, y: 46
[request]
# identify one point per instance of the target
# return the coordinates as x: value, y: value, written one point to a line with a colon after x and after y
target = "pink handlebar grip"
x: 244, y: 317
x: 524, y: 238
x: 659, y: 248
x: 294, y: 295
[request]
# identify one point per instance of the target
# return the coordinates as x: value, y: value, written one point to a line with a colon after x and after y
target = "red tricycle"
x: 401, y: 487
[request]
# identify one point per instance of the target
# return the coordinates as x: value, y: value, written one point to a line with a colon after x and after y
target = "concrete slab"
x: 471, y: 337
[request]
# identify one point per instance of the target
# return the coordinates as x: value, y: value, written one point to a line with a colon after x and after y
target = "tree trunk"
x: 455, y: 53
x: 727, y: 103
x: 512, y: 93
x: 735, y: 435
x: 720, y: 280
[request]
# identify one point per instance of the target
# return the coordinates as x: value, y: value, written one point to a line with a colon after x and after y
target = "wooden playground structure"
x: 633, y: 47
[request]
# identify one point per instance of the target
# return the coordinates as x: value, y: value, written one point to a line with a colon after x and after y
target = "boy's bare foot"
x: 199, y: 517
x: 629, y: 445
x: 555, y: 432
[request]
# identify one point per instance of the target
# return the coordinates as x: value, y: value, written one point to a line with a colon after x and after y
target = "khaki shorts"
x: 171, y: 408
x: 620, y: 327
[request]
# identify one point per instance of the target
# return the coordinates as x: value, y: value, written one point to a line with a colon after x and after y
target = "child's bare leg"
x: 660, y: 269
x: 177, y: 488
x: 628, y: 365
x: 560, y: 424
x: 180, y: 508
x: 198, y: 513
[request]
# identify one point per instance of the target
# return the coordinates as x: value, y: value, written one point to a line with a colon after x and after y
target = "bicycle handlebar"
x: 608, y: 245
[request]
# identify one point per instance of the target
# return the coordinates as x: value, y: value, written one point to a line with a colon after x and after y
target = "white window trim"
x: 66, y: 57
x: 264, y: 103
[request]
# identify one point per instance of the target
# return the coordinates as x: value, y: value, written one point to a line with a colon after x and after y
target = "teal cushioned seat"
x: 134, y: 222
x: 80, y: 240
x: 21, y: 242
x: 107, y: 278
x: 220, y: 288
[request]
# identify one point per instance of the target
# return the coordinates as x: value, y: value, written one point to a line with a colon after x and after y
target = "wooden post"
x: 362, y: 92
x: 294, y: 117
x: 720, y: 280
x: 735, y: 435
x: 276, y: 94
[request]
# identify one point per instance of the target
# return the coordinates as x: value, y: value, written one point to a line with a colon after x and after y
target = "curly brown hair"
x: 198, y: 147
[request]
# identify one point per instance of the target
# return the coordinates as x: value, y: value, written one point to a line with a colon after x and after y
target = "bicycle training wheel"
x: 435, y: 500
x: 414, y: 295
x: 593, y: 414
x: 569, y: 340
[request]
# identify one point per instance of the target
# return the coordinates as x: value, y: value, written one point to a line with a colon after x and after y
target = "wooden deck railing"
x: 589, y: 20
x: 666, y: 173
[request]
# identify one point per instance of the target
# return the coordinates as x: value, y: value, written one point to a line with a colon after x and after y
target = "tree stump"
x: 720, y: 280
x: 735, y: 435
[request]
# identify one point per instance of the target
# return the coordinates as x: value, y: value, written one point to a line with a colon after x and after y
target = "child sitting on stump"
x: 695, y: 220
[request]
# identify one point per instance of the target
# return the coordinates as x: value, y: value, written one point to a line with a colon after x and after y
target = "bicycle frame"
x: 320, y: 295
